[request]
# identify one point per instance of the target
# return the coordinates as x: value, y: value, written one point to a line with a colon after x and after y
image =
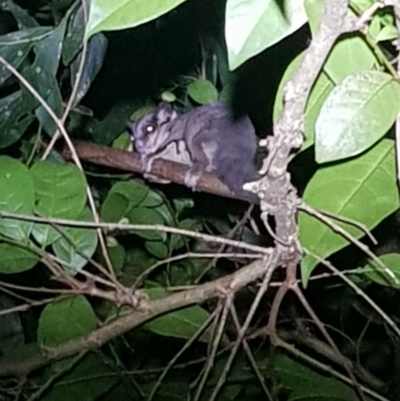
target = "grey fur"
x: 215, y: 142
x: 148, y: 145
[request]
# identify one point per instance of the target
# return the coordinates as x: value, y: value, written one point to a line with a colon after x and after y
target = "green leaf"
x: 122, y: 142
x: 227, y: 93
x: 180, y: 324
x: 181, y: 204
x: 356, y: 114
x: 374, y: 26
x: 81, y: 241
x: 319, y: 92
x: 48, y: 50
x: 16, y: 196
x: 324, y: 389
x: 15, y: 47
x: 114, y: 207
x: 106, y: 15
x: 178, y: 241
x: 15, y: 259
x: 99, y: 378
x: 307, y: 384
x: 64, y: 320
x: 363, y: 189
x: 387, y: 33
x: 157, y: 248
x: 202, y: 91
x: 15, y: 116
x: 252, y: 26
x: 145, y: 207
x: 152, y: 199
x: 121, y: 198
x: 168, y: 96
x: 47, y: 87
x: 350, y: 54
x: 60, y: 193
x: 95, y: 52
x: 179, y: 275
x: 25, y: 21
x: 375, y: 272
x: 60, y: 189
x: 42, y: 76
x: 72, y: 43
x: 292, y: 373
x: 117, y: 255
x: 144, y: 215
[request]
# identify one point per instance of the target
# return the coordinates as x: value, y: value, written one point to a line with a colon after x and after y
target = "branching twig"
x: 149, y: 310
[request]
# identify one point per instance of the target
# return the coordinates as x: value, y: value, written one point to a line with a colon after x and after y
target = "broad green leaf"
x: 292, y: 374
x: 375, y: 272
x: 157, y: 248
x: 117, y: 255
x: 202, y: 91
x: 99, y: 379
x: 15, y: 47
x: 387, y: 33
x: 356, y: 114
x: 320, y: 91
x: 350, y: 54
x: 81, y: 242
x: 114, y: 207
x: 60, y: 191
x: 16, y: 113
x: 121, y: 198
x: 152, y: 199
x: 178, y: 241
x: 306, y: 384
x: 363, y: 189
x: 122, y: 142
x: 179, y: 275
x: 382, y: 26
x: 374, y: 27
x: 180, y: 324
x: 137, y: 261
x: 25, y: 21
x: 110, y: 15
x: 16, y: 196
x: 95, y: 52
x: 361, y: 4
x: 324, y: 389
x: 48, y: 50
x: 252, y: 26
x: 47, y: 87
x: 72, y: 43
x: 15, y: 259
x: 42, y: 75
x: 64, y: 320
x: 144, y: 215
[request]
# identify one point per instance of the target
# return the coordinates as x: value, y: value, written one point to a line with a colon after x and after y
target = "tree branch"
x: 130, y: 161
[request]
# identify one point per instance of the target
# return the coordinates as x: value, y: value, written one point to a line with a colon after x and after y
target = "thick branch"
x: 150, y: 310
x: 129, y: 161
